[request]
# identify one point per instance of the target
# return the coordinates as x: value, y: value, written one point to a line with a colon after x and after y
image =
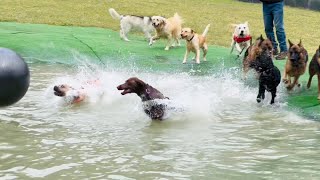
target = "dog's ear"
x: 260, y: 43
x: 290, y: 43
x: 192, y: 31
x: 300, y: 43
x: 261, y: 38
x: 234, y: 25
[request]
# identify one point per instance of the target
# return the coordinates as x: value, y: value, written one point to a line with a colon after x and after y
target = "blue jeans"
x: 273, y: 17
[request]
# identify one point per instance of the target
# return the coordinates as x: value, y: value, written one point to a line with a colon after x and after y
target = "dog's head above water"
x: 143, y: 90
x: 158, y: 21
x: 61, y: 90
x: 241, y: 30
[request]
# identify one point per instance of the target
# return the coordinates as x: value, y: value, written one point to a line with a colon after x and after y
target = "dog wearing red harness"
x: 240, y: 38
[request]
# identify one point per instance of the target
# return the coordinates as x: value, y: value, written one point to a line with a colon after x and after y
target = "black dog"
x: 148, y: 94
x: 270, y: 75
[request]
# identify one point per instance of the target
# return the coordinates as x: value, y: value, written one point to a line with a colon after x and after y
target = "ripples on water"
x: 215, y: 131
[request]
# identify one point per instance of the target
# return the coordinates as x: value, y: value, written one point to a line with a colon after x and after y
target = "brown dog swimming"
x: 314, y: 68
x: 295, y: 65
x: 154, y: 109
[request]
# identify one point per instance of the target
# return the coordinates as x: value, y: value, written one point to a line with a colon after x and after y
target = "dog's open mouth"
x: 58, y: 92
x: 183, y: 37
x: 125, y: 90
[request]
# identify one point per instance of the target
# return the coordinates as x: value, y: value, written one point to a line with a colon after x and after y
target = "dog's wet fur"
x: 296, y: 64
x: 314, y: 69
x: 254, y: 50
x: 156, y: 110
x: 269, y: 75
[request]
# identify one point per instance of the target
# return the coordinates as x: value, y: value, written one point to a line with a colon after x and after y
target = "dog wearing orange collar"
x: 195, y: 42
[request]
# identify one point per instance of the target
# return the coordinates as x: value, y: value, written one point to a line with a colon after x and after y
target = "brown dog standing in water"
x: 195, y: 42
x: 296, y: 64
x: 154, y: 109
x: 314, y: 68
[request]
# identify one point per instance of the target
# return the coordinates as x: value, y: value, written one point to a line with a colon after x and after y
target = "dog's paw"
x: 204, y: 59
x: 258, y: 100
x: 184, y: 62
x: 167, y: 48
x: 319, y: 97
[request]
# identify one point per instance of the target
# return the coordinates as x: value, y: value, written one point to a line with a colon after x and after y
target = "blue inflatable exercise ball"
x: 14, y: 77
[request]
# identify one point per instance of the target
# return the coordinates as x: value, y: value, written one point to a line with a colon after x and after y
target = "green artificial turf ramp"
x: 60, y: 44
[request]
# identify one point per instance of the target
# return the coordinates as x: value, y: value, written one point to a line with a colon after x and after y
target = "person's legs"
x: 278, y: 21
x: 268, y: 24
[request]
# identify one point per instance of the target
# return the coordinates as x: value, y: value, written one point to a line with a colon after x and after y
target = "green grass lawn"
x: 197, y: 14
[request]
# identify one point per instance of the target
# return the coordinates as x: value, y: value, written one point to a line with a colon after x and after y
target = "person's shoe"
x: 275, y: 52
x: 282, y: 55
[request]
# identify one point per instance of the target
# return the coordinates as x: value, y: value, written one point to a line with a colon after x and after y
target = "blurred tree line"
x: 309, y: 4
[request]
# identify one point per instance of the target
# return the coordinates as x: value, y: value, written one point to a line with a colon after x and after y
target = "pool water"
x: 213, y: 130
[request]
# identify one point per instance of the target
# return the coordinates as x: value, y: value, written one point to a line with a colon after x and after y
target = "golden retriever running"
x: 167, y: 28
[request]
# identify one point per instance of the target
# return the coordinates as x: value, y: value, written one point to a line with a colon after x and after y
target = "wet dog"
x: 73, y: 95
x: 128, y: 22
x: 254, y: 51
x: 167, y: 28
x: 149, y: 96
x: 240, y: 37
x: 70, y: 94
x: 195, y: 42
x: 295, y: 65
x: 270, y: 75
x: 314, y: 68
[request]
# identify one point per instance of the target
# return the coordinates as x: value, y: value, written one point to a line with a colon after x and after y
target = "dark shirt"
x: 270, y: 1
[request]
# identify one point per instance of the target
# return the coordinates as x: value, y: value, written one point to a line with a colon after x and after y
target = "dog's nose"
x: 56, y: 88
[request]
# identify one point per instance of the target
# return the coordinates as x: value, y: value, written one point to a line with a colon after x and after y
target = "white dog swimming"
x: 77, y: 94
x: 241, y: 38
x: 128, y: 22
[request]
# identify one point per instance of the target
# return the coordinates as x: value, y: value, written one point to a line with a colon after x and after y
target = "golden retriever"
x: 167, y: 28
x: 195, y: 42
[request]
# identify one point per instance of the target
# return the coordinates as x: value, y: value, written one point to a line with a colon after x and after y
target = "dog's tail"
x: 114, y: 14
x: 205, y: 32
x: 178, y: 20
